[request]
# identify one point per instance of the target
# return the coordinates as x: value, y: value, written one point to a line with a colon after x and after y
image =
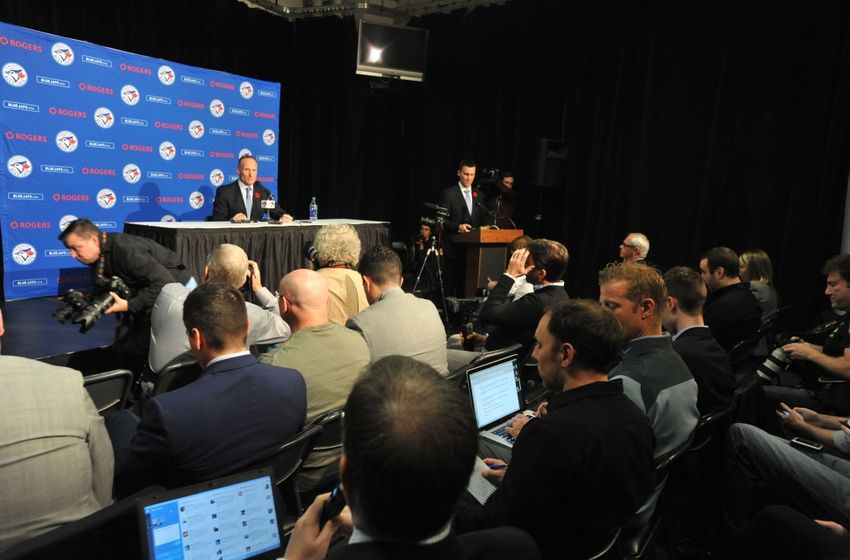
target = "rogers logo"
x: 67, y: 141
x: 62, y: 197
x: 246, y: 90
x: 98, y: 171
x: 222, y: 85
x: 95, y: 89
x: 167, y: 125
x: 62, y: 54
x: 137, y: 148
x: 166, y: 75
x: 68, y: 113
x: 29, y: 225
x: 135, y: 69
x: 190, y: 104
x: 164, y: 199
x: 14, y: 74
x: 20, y: 44
x: 221, y: 155
x: 190, y: 176
x: 261, y: 115
x: 245, y: 134
x: 269, y: 137
x: 25, y: 136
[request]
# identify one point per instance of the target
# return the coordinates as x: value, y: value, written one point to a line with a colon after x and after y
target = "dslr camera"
x: 777, y: 361
x: 85, y: 309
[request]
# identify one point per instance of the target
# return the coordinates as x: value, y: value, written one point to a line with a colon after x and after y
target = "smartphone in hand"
x: 333, y: 507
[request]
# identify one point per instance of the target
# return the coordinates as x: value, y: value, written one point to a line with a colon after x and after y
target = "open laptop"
x: 229, y: 518
x: 495, y: 390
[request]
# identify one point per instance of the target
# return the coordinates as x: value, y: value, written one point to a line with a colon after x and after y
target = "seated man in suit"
x: 401, y: 487
x: 588, y: 456
x: 397, y: 323
x: 329, y: 356
x: 243, y: 199
x: 229, y: 264
x: 731, y: 309
x: 55, y: 456
x: 543, y: 264
x: 238, y: 412
x: 692, y: 340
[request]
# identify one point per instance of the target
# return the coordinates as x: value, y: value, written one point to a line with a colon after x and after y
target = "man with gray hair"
x: 634, y: 248
x: 228, y: 264
x: 337, y: 250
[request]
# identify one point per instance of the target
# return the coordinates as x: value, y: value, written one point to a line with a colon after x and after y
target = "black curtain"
x: 697, y: 123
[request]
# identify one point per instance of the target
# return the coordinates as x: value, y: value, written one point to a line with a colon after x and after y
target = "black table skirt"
x: 277, y: 250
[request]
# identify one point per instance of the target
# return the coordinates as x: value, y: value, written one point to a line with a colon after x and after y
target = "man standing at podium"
x: 243, y: 199
x: 465, y: 214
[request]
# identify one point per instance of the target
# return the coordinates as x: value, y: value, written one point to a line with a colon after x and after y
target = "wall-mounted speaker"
x: 549, y: 166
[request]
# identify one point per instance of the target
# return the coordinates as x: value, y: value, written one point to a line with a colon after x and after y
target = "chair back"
x: 178, y: 373
x: 331, y: 436
x: 109, y: 390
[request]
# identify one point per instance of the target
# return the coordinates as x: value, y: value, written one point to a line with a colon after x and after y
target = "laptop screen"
x: 495, y: 390
x: 231, y: 518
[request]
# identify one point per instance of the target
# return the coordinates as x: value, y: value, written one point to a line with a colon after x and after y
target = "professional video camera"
x: 488, y: 175
x: 463, y: 312
x: 85, y: 309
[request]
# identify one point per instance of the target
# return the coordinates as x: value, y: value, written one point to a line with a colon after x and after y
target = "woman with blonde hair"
x: 757, y: 269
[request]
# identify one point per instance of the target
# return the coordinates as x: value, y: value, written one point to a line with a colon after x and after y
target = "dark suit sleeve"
x: 447, y: 201
x: 222, y: 211
x: 498, y: 310
x: 148, y: 457
x: 132, y: 261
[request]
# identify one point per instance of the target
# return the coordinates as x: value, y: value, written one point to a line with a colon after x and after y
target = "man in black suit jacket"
x: 693, y: 341
x: 465, y: 214
x: 230, y: 199
x: 409, y: 447
x: 238, y: 412
x: 543, y: 264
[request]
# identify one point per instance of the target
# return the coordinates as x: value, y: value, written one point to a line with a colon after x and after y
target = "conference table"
x: 277, y: 248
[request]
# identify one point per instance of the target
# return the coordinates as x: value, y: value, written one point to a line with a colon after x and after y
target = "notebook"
x: 229, y: 518
x: 495, y: 390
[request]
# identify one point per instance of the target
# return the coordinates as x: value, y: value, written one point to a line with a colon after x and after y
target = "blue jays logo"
x: 216, y: 107
x: 24, y: 254
x: 269, y: 137
x: 106, y: 198
x: 244, y: 152
x: 166, y: 75
x: 196, y: 200
x: 168, y: 218
x: 14, y: 74
x: 67, y: 141
x: 62, y: 54
x: 216, y: 177
x: 66, y: 221
x: 196, y: 129
x: 167, y: 151
x: 246, y: 90
x: 19, y: 166
x: 104, y: 118
x: 132, y: 173
x: 130, y: 95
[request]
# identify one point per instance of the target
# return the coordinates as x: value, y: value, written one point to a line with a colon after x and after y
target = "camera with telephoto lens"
x: 776, y: 362
x: 85, y: 310
x: 311, y: 254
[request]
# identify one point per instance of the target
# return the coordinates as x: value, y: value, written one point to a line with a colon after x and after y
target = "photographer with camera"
x: 809, y: 360
x: 142, y: 265
x: 500, y: 198
x: 334, y: 254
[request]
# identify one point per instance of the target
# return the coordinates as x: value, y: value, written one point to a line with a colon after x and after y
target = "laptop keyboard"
x: 503, y: 433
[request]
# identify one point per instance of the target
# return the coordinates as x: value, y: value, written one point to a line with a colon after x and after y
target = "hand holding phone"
x: 333, y: 507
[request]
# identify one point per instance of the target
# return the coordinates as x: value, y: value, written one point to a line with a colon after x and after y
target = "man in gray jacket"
x: 396, y: 323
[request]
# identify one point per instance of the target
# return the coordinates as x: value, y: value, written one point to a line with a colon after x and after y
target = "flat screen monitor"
x: 391, y: 51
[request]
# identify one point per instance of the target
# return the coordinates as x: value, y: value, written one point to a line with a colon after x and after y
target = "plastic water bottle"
x: 314, y: 210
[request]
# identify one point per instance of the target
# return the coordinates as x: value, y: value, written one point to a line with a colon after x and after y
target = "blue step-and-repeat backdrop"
x: 93, y: 132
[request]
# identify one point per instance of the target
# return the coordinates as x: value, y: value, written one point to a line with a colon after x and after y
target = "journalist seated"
x: 334, y: 254
x: 409, y: 446
x: 824, y: 350
x: 513, y: 320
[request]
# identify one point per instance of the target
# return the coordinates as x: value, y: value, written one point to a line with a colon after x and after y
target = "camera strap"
x: 101, y: 263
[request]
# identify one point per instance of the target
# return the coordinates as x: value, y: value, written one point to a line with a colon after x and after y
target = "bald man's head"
x: 304, y: 298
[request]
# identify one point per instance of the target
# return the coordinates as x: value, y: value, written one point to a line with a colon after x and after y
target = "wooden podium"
x: 486, y: 255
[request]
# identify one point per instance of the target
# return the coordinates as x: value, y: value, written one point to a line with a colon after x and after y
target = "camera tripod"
x: 435, y: 251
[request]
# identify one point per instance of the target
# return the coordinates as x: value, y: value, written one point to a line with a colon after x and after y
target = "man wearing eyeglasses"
x: 634, y: 248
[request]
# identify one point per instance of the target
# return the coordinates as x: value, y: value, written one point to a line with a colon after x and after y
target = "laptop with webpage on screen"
x: 495, y: 390
x: 230, y: 518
